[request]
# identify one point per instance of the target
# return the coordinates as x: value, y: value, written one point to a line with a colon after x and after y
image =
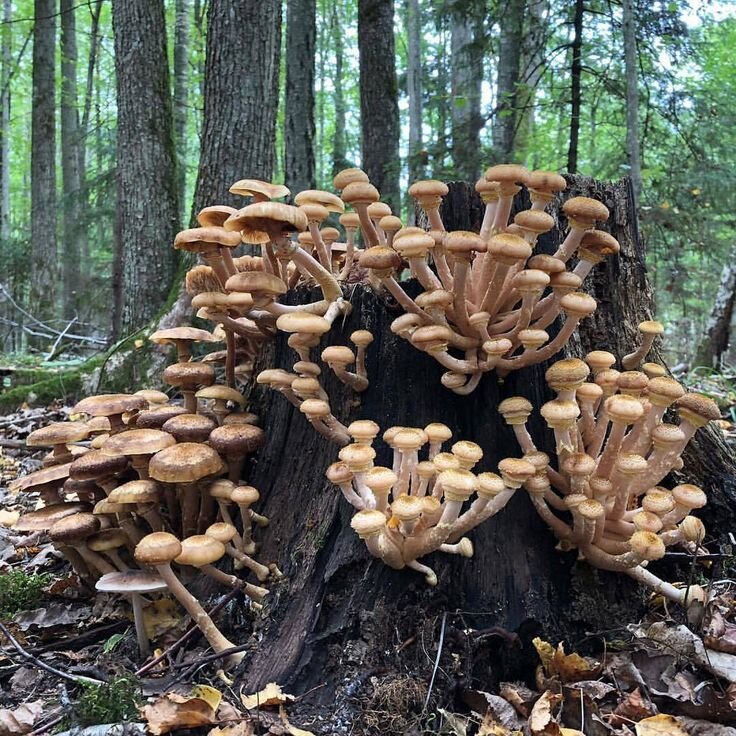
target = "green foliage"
x: 115, y: 702
x: 20, y: 591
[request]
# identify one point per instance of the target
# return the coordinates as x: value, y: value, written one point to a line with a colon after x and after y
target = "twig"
x: 79, y: 680
x: 202, y: 661
x: 184, y: 638
x: 55, y: 721
x: 436, y: 661
x: 52, y: 352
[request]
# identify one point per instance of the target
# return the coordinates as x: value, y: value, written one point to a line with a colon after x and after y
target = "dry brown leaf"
x: 661, y: 725
x: 160, y: 616
x: 568, y: 667
x: 541, y: 720
x: 272, y: 694
x: 719, y: 634
x: 632, y: 708
x: 21, y: 720
x: 520, y: 697
x: 244, y: 728
x: 172, y: 711
x: 491, y: 727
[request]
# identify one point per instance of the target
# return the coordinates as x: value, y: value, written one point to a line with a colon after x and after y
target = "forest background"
x: 120, y: 120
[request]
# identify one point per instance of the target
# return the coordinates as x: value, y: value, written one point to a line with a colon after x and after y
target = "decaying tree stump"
x: 340, y: 615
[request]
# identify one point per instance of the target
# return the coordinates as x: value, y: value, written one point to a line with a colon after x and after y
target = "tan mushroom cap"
x: 658, y: 501
x: 535, y: 221
x: 623, y: 409
x: 578, y: 464
x: 96, y: 464
x: 567, y: 374
x: 457, y: 484
x: 548, y: 264
x: 665, y: 436
x: 507, y: 174
x: 530, y: 281
x: 692, y: 529
x: 215, y: 215
x: 106, y: 506
x: 331, y: 202
x: 438, y: 432
x: 380, y: 258
x: 407, y: 508
x: 697, y: 409
x: 251, y: 187
x: 378, y: 479
x: 350, y: 220
x: 156, y: 417
x: 469, y: 453
x: 560, y: 414
x: 359, y: 458
x: 152, y: 396
x: 130, y: 581
x: 651, y: 327
x: 515, y: 410
x: 316, y: 408
x: 106, y: 405
x: 57, y: 433
x: 431, y: 337
x: 74, y: 528
x: 244, y: 495
x: 360, y: 193
x: 303, y: 322
x: 413, y: 245
x: 222, y: 393
x: 348, y: 176
x: 428, y: 188
x: 515, y: 471
x: 600, y: 360
x: 51, y: 474
x: 256, y: 282
x: 363, y: 429
x: 107, y: 539
x: 445, y: 461
x: 529, y: 339
x: 588, y: 392
x: 330, y: 235
x: 441, y: 299
x: 489, y: 190
x: 221, y: 531
x: 630, y: 463
x: 175, y: 334
x: 158, y: 548
x: 137, y: 442
x: 42, y: 519
x: 368, y: 522
x: 545, y: 182
x: 136, y: 491
x: 189, y: 374
x: 262, y: 221
x: 464, y: 241
x: 565, y: 282
x: 509, y: 249
x: 231, y: 439
x: 598, y: 244
x: 184, y: 463
x: 339, y: 355
x: 585, y: 211
x: 200, y: 239
x: 632, y: 382
x: 689, y: 495
x: 578, y: 304
x: 221, y: 488
x: 647, y: 545
x: 408, y: 439
x: 339, y: 473
x: 654, y: 370
x: 314, y: 212
x: 200, y: 549
x: 391, y: 224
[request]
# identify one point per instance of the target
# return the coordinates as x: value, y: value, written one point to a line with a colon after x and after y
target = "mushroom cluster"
x: 416, y: 507
x: 613, y: 450
x: 153, y: 483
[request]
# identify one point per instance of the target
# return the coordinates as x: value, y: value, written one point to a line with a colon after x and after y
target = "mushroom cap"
x: 457, y: 484
x: 201, y: 278
x: 407, y: 508
x: 74, y: 528
x: 692, y: 529
x: 363, y: 429
x: 658, y: 501
x: 490, y: 484
x: 441, y: 299
x: 306, y: 368
x: 426, y: 469
x: 565, y: 282
x: 600, y: 360
x: 632, y: 382
x: 548, y: 264
x: 340, y: 355
x: 222, y: 393
x: 508, y: 249
x: 697, y: 409
x: 445, y: 461
x: 380, y: 258
x: 244, y: 495
x: 623, y: 409
x: 359, y: 192
x: 469, y: 453
x: 379, y: 479
x: 339, y: 473
x: 378, y: 210
x: 560, y: 414
x: 535, y: 221
x: 199, y: 239
x: 647, y: 545
x: 647, y: 521
x: 437, y: 432
x: 607, y: 380
x: 629, y: 463
x: 545, y: 181
x: 501, y: 346
x: 41, y: 519
x: 667, y: 436
x: 431, y: 337
x: 221, y: 531
x: 106, y: 405
x: 331, y: 202
x: 237, y: 439
x: 57, y: 433
x: 303, y: 322
x: 515, y: 471
x: 539, y: 459
x: 189, y: 374
x: 654, y: 370
x: 152, y: 396
x: 530, y: 281
x: 107, y: 539
x: 96, y: 464
x: 578, y: 304
x: 591, y: 509
x: 359, y: 458
x: 176, y: 334
x: 261, y: 221
x: 413, y: 245
x: 428, y: 188
x: 256, y: 282
x: 241, y: 417
x: 579, y: 464
x: 137, y: 442
x: 598, y: 243
x: 529, y: 338
x: 105, y: 506
x: 158, y: 548
x: 409, y: 439
x: 189, y: 427
x: 585, y: 210
x: 368, y: 522
x: 489, y: 190
x: 315, y: 212
x: 567, y: 374
x: 651, y: 327
x: 130, y: 581
x: 349, y: 220
x: 391, y: 224
x: 136, y: 491
x: 200, y: 549
x: 184, y: 463
x: 221, y: 488
x: 215, y: 215
x: 507, y: 174
x: 330, y: 235
x: 348, y: 176
x: 689, y: 495
x: 156, y: 417
x: 251, y: 187
x: 464, y: 242
x: 588, y: 393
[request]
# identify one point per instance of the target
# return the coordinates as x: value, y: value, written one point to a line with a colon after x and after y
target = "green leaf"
x: 112, y: 642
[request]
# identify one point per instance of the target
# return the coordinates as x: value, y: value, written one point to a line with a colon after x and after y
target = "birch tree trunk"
x: 181, y: 97
x: 301, y: 32
x: 43, y: 162
x: 379, y: 98
x: 147, y: 205
x: 240, y: 98
x: 631, y: 71
x: 339, y: 144
x: 576, y: 71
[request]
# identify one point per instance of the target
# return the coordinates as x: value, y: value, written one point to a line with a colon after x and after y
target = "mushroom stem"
x: 144, y: 646
x: 254, y: 592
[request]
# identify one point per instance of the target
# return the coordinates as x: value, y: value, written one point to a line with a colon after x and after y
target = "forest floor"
x: 69, y: 660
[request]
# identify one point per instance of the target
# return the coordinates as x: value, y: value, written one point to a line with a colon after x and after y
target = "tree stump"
x: 340, y: 616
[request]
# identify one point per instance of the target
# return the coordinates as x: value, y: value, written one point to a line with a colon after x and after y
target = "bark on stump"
x: 341, y: 616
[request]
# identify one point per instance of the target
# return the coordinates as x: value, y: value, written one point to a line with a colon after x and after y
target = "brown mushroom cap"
x: 184, y: 463
x: 507, y: 174
x: 303, y: 322
x: 221, y: 531
x: 348, y: 176
x: 137, y: 442
x: 578, y: 304
x: 244, y: 495
x: 200, y: 549
x: 200, y: 239
x: 350, y: 220
x: 176, y: 334
x: 509, y: 249
x: 567, y: 374
x: 461, y: 242
x: 215, y: 215
x: 106, y: 405
x: 189, y: 374
x: 535, y: 221
x: 221, y: 393
x: 189, y: 427
x: 51, y: 474
x: 265, y: 220
x: 515, y: 410
x: 331, y: 202
x: 107, y: 539
x: 256, y: 282
x: 158, y: 548
x: 360, y: 192
x: 585, y: 210
x: 545, y: 182
x: 135, y: 492
x: 57, y: 433
x: 130, y: 581
x: 251, y: 187
x: 236, y: 439
x: 42, y: 519
x: 697, y: 409
x: 73, y: 528
x: 97, y: 464
x: 155, y: 418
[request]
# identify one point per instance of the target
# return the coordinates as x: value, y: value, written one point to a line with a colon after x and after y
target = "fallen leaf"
x: 53, y: 614
x: 160, y: 616
x: 244, y: 728
x: 272, y: 694
x: 493, y: 709
x: 541, y: 720
x: 210, y: 695
x: 661, y: 725
x: 21, y: 720
x: 632, y: 707
x: 172, y: 711
x: 8, y: 518
x: 520, y: 697
x: 568, y: 667
x: 491, y: 727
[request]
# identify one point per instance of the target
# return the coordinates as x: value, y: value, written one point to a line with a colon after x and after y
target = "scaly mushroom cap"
x: 659, y: 502
x: 445, y: 461
x: 175, y: 334
x: 215, y: 215
x: 363, y: 429
x: 509, y: 249
x: 189, y: 427
x: 200, y: 549
x: 254, y: 187
x: 548, y: 264
x: 578, y: 304
x: 464, y: 242
x: 540, y: 460
x: 137, y: 442
x: 515, y: 471
x: 413, y: 245
x: 331, y: 202
x: 198, y: 239
x: 201, y: 278
x: 359, y: 458
x: 97, y: 464
x: 130, y: 581
x: 697, y: 409
x: 256, y: 282
x: 535, y: 221
x: 663, y: 391
x: 350, y: 220
x: 690, y: 496
x: 647, y: 545
x: 632, y: 382
x: 629, y: 463
x: 136, y: 491
x: 42, y: 519
x: 57, y: 433
x: 348, y: 176
x: 545, y: 182
x: 515, y: 410
x: 360, y: 192
x: 263, y: 221
x: 409, y: 439
x: 155, y: 418
x: 378, y: 479
x: 665, y: 436
x: 469, y: 453
x: 560, y: 414
x: 437, y: 432
x: 185, y: 463
x: 380, y: 258
x: 339, y: 355
x: 106, y: 405
x: 241, y: 417
x: 221, y: 393
x: 591, y: 509
x: 158, y: 548
x: 567, y: 375
x: 189, y: 374
x: 236, y: 439
x: 406, y: 508
x: 490, y: 484
x: 457, y: 484
x: 578, y: 464
x: 368, y: 522
x: 623, y: 409
x: 303, y: 322
x: 74, y: 528
x: 221, y: 531
x: 585, y: 211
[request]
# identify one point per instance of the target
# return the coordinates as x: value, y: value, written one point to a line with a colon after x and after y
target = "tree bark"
x: 576, y: 72
x: 631, y: 72
x: 342, y: 616
x: 181, y: 96
x: 379, y: 98
x: 147, y: 205
x: 240, y: 98
x: 417, y: 156
x: 718, y: 332
x: 466, y: 77
x: 71, y: 158
x: 301, y: 32
x: 43, y: 161
x: 506, y: 118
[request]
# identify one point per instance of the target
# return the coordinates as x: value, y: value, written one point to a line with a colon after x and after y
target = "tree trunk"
x: 506, y: 119
x: 342, y: 616
x: 576, y: 71
x: 466, y: 77
x: 301, y: 32
x: 339, y: 144
x: 379, y: 98
x: 417, y: 156
x: 6, y: 60
x: 43, y: 161
x: 631, y: 63
x: 240, y: 98
x: 718, y: 332
x: 147, y: 206
x: 181, y: 96
x: 70, y: 161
